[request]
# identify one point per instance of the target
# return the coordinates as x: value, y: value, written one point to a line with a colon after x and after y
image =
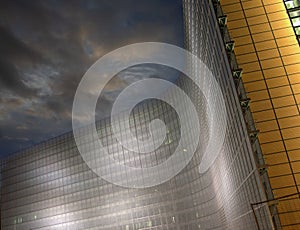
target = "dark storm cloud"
x: 46, y: 47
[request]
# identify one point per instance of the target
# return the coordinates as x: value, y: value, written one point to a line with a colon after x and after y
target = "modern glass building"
x: 49, y: 186
x: 266, y: 38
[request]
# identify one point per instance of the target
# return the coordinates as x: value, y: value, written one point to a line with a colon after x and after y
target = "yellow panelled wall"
x: 267, y: 50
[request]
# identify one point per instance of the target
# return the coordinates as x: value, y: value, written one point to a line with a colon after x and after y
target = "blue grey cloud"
x: 46, y: 47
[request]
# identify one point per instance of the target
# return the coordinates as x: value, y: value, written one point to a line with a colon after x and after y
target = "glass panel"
x: 294, y: 13
x: 291, y: 4
x: 296, y: 22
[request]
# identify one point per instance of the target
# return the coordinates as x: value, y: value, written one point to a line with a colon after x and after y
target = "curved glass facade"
x: 49, y: 186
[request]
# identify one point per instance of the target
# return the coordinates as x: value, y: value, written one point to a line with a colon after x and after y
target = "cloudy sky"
x: 46, y: 47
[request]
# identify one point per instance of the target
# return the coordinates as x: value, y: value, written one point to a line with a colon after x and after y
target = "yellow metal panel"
x: 276, y: 158
x: 235, y: 15
x: 280, y: 91
x: 283, y: 101
x: 253, y: 76
x: 264, y: 115
x: 257, y: 20
x: 260, y: 28
x: 259, y: 95
x: 277, y: 16
x: 242, y: 40
x: 254, y: 12
x: 277, y: 81
x: 292, y: 144
x: 246, y: 58
x: 282, y: 181
x: 244, y: 49
x: 286, y: 41
x: 287, y: 111
x: 291, y: 132
x: 271, y: 63
x: 294, y: 155
x: 280, y: 192
x: 269, y: 2
x: 294, y: 78
x: 239, y: 32
x: 296, y: 88
x: 286, y: 32
x: 250, y: 67
x: 295, y: 68
x: 267, y: 54
x: 263, y: 36
x: 291, y: 59
x: 274, y: 72
x: 237, y: 24
x: 273, y: 147
x: 255, y: 86
x: 252, y: 4
x: 265, y: 45
x: 274, y: 8
x: 288, y: 50
x: 281, y: 24
x: 267, y: 125
x: 296, y: 167
x: 289, y: 122
x: 269, y: 136
x: 232, y: 7
x: 279, y: 170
